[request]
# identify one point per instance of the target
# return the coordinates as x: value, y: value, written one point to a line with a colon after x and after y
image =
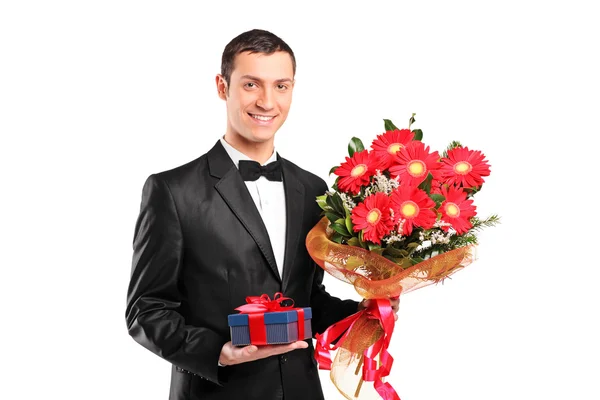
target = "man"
x: 206, y: 238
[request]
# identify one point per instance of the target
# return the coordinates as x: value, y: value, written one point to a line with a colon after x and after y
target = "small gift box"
x: 264, y: 321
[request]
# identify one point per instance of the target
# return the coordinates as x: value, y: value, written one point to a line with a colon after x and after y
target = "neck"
x: 257, y: 151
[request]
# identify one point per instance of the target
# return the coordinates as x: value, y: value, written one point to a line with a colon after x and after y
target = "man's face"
x: 260, y: 95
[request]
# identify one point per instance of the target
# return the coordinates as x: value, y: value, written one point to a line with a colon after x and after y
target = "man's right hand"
x: 231, y: 354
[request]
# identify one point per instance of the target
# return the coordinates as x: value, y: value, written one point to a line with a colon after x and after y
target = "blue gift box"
x: 281, y: 327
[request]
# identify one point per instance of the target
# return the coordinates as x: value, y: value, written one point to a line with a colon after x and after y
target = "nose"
x: 265, y: 99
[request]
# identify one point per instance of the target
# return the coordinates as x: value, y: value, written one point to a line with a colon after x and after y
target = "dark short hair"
x: 254, y: 41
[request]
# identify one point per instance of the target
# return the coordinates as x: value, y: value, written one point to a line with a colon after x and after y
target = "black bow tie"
x: 251, y: 170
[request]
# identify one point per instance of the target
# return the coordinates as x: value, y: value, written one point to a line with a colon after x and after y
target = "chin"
x: 262, y: 138
x: 263, y: 134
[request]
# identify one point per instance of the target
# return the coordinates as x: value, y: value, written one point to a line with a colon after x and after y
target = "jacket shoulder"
x: 182, y: 172
x: 312, y: 182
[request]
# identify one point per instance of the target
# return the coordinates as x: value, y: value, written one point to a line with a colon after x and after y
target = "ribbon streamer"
x: 380, y: 310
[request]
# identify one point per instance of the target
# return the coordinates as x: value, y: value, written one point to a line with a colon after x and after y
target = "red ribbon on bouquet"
x: 378, y: 309
x: 256, y: 308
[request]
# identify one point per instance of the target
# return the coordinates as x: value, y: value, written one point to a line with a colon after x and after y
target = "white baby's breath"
x: 382, y: 184
x: 347, y: 200
x: 393, y: 237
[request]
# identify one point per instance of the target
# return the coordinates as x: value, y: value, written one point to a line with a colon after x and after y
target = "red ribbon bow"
x: 256, y: 308
x: 263, y: 303
x: 381, y: 310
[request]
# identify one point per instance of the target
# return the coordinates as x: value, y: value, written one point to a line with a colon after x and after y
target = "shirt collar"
x: 237, y: 155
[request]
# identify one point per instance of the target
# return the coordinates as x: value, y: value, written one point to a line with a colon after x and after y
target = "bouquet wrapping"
x: 399, y: 218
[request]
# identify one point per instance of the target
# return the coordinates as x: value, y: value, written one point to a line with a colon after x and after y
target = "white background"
x: 97, y: 95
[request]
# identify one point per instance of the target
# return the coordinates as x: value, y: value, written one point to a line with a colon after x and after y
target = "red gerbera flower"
x: 456, y: 209
x: 436, y: 186
x: 388, y: 144
x: 414, y: 206
x: 373, y: 217
x: 464, y: 167
x: 414, y: 162
x: 355, y: 172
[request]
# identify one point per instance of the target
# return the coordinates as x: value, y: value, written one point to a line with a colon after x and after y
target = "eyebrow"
x: 254, y: 78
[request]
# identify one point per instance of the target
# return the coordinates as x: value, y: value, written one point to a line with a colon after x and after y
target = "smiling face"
x: 258, y: 97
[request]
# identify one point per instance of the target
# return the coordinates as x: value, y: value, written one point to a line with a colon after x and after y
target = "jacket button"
x: 283, y: 359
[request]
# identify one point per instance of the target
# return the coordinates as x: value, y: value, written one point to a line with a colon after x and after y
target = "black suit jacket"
x: 200, y: 247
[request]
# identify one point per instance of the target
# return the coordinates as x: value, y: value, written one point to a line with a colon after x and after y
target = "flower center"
x: 462, y: 167
x: 393, y: 148
x: 359, y: 170
x: 374, y: 216
x: 416, y: 168
x: 409, y: 209
x: 452, y: 210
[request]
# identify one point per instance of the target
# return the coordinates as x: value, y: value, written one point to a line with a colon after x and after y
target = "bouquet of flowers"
x: 399, y: 217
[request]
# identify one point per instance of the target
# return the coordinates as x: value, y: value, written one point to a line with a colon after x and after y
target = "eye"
x: 250, y: 85
x: 281, y: 86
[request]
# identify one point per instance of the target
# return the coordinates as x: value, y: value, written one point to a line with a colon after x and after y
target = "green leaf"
x: 355, y: 145
x: 349, y: 225
x: 353, y: 241
x: 418, y: 134
x: 336, y: 237
x: 322, y: 201
x: 392, y: 251
x: 389, y: 125
x: 335, y: 202
x: 377, y: 250
x: 332, y: 170
x: 374, y: 247
x: 438, y: 198
x: 334, y: 187
x: 361, y: 240
x: 341, y: 229
x: 406, y: 263
x: 332, y: 217
x: 332, y: 203
x: 426, y: 184
x: 348, y: 221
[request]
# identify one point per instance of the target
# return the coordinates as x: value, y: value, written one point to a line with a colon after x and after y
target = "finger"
x: 243, y: 353
x: 249, y: 350
x: 271, y: 350
x: 395, y: 317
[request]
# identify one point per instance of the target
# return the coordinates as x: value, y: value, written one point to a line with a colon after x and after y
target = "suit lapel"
x: 294, y: 205
x: 234, y: 192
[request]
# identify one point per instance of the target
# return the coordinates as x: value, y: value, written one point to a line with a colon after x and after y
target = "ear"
x: 221, y: 86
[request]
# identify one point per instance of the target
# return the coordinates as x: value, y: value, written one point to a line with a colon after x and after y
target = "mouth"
x: 262, y: 119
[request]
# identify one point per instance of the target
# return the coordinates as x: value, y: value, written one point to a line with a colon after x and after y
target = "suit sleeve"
x: 327, y: 309
x: 153, y: 297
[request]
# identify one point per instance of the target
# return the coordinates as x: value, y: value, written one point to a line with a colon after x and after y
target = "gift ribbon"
x: 381, y: 310
x: 256, y: 308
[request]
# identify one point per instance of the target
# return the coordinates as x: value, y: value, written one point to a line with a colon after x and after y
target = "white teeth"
x: 261, y: 117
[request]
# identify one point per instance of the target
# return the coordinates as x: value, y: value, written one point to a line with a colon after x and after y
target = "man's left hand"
x: 394, y: 302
